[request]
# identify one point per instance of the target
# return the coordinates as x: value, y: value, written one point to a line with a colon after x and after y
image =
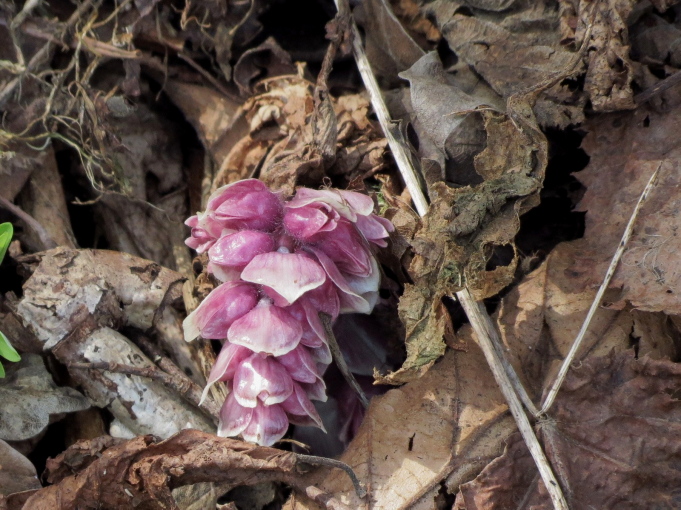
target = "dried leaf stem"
x: 184, y: 387
x: 480, y: 321
x: 560, y: 377
x: 396, y: 141
x: 340, y: 360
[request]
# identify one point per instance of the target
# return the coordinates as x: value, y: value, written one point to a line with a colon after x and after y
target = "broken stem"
x: 184, y: 387
x: 481, y: 322
x: 340, y: 360
x: 475, y: 314
x: 555, y: 387
x: 313, y: 460
x: 396, y: 141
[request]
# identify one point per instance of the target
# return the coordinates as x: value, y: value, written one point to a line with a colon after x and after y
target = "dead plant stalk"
x: 479, y: 319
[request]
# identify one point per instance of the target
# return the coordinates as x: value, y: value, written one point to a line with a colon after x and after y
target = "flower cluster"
x: 282, y: 263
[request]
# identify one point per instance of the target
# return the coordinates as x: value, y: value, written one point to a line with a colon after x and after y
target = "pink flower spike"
x: 235, y: 251
x: 300, y: 365
x: 234, y: 418
x: 289, y: 274
x: 267, y: 426
x: 304, y: 222
x: 302, y: 409
x: 213, y: 317
x: 261, y: 377
x: 229, y: 359
x: 234, y: 190
x: 266, y: 328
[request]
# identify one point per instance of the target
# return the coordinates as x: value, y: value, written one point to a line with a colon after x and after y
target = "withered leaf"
x: 17, y: 473
x: 30, y: 398
x: 452, y: 421
x: 141, y: 472
x: 389, y: 48
x: 461, y: 228
x: 613, y: 440
x: 625, y: 150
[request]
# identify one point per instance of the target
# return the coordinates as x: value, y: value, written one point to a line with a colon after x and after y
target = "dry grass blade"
x: 400, y: 152
x: 560, y: 377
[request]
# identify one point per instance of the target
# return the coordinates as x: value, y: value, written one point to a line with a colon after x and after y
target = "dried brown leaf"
x: 452, y: 421
x: 625, y: 149
x: 462, y: 227
x: 17, y: 473
x: 30, y: 399
x: 389, y: 48
x: 141, y: 472
x: 613, y: 437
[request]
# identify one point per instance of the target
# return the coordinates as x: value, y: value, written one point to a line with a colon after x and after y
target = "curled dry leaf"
x: 141, y: 472
x: 74, y: 301
x: 625, y: 150
x: 613, y: 437
x: 17, y: 473
x: 450, y: 422
x: 462, y: 227
x: 30, y: 399
x: 514, y: 45
x: 281, y: 141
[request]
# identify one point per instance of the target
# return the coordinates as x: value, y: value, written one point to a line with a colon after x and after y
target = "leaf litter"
x: 98, y: 156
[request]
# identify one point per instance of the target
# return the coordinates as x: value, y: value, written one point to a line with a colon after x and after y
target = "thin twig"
x: 398, y: 145
x: 555, y: 387
x: 191, y: 392
x: 340, y: 360
x: 482, y: 323
x: 476, y: 315
x: 658, y: 88
x: 313, y: 460
x: 45, y: 239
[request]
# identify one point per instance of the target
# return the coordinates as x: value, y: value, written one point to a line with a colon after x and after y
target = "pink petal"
x: 321, y: 354
x: 266, y: 328
x: 300, y: 365
x: 234, y: 190
x: 350, y: 301
x: 229, y: 359
x: 233, y: 417
x: 375, y: 229
x: 239, y: 248
x: 316, y: 390
x: 289, y: 274
x: 219, y: 310
x: 261, y: 378
x: 223, y: 273
x: 310, y: 322
x: 363, y: 204
x: 268, y: 425
x: 324, y: 299
x: 347, y: 248
x: 307, y: 196
x: 302, y: 409
x: 246, y: 205
x: 304, y: 222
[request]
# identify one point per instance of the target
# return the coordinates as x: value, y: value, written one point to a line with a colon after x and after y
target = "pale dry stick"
x: 481, y: 323
x: 558, y: 381
x: 397, y: 147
